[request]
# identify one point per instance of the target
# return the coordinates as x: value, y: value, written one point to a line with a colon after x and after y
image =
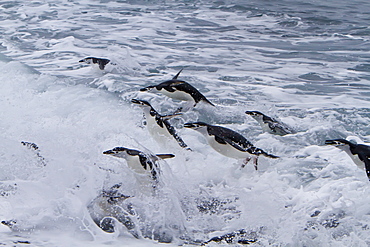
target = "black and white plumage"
x: 228, y: 142
x: 269, y: 124
x: 360, y: 153
x: 157, y: 124
x: 94, y: 60
x: 108, y: 208
x: 138, y: 161
x: 178, y: 89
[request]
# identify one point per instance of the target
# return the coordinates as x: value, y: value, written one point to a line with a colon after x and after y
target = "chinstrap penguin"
x: 269, y: 124
x: 241, y: 236
x: 359, y: 153
x: 94, y: 60
x: 229, y: 143
x: 138, y: 161
x: 178, y: 89
x: 157, y: 124
x: 109, y: 207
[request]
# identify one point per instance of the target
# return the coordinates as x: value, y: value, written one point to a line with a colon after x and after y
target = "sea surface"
x: 305, y: 63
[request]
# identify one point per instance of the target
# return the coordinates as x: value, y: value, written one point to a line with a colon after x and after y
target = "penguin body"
x: 228, y: 142
x: 101, y: 62
x: 178, y: 89
x: 269, y: 124
x: 108, y: 208
x: 138, y: 161
x: 359, y: 153
x: 158, y: 125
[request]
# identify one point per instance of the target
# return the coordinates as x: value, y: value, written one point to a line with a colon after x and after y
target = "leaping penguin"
x: 94, y: 60
x: 269, y: 124
x: 229, y: 143
x: 178, y: 89
x: 138, y: 161
x: 159, y: 125
x: 359, y: 153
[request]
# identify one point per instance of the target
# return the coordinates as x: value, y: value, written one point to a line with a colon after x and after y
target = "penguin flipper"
x: 220, y: 140
x: 224, y: 135
x: 277, y: 128
x: 272, y: 125
x: 167, y: 117
x: 173, y: 132
x: 280, y: 128
x: 236, y: 145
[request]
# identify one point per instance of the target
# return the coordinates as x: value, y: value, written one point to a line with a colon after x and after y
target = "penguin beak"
x: 190, y: 125
x: 147, y: 89
x: 81, y: 61
x: 108, y: 152
x: 135, y: 101
x: 141, y: 102
x: 253, y: 113
x: 332, y: 142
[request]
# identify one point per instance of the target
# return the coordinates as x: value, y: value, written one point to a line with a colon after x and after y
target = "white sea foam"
x: 241, y: 58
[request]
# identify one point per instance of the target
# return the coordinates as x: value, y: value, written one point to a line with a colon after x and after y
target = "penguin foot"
x: 246, y: 162
x: 255, y: 162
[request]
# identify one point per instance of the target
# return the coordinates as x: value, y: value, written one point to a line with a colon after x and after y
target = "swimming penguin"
x: 359, y: 153
x: 40, y: 159
x: 178, y: 89
x: 109, y: 207
x: 94, y: 60
x: 229, y: 143
x: 242, y: 237
x: 139, y: 161
x: 269, y: 124
x: 159, y: 125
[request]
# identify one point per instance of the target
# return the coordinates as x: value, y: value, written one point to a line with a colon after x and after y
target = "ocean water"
x: 305, y: 63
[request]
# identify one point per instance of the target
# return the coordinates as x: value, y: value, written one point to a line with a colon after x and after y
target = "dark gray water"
x: 306, y: 63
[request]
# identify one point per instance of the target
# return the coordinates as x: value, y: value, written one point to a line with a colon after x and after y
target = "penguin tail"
x: 167, y: 117
x: 165, y: 156
x: 270, y: 156
x: 258, y: 152
x: 207, y: 101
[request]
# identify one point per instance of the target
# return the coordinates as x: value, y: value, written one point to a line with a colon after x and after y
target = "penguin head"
x: 255, y: 114
x: 148, y: 89
x: 141, y: 103
x: 113, y: 195
x: 94, y: 60
x: 196, y: 125
x: 121, y: 152
x: 338, y: 142
x: 87, y: 60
